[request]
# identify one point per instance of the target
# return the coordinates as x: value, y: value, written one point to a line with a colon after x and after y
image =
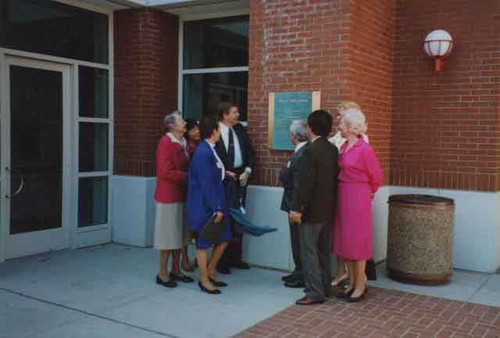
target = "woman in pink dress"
x: 359, y: 178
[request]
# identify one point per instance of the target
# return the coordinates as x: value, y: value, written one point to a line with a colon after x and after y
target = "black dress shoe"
x: 241, y: 265
x: 342, y: 294
x: 308, y: 301
x: 295, y: 284
x: 219, y: 284
x: 181, y: 278
x: 212, y: 292
x: 328, y: 292
x: 224, y: 270
x: 357, y: 299
x: 168, y: 284
x: 287, y: 277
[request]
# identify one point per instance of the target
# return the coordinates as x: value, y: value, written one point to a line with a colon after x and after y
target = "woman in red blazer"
x: 172, y: 163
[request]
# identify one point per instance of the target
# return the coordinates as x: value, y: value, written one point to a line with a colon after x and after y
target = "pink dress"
x: 360, y: 176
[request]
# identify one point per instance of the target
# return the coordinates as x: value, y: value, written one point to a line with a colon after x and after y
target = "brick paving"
x: 383, y: 313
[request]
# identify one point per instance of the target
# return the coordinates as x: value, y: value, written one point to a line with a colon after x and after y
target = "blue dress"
x: 206, y: 193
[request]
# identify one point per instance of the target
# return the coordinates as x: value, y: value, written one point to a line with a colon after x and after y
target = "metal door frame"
x: 44, y: 240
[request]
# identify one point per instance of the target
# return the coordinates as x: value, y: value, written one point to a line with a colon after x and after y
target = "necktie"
x: 230, y: 148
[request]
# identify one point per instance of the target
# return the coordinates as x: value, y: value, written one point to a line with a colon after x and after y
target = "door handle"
x: 21, y: 183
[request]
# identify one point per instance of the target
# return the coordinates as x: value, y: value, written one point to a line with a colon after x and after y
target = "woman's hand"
x: 218, y: 217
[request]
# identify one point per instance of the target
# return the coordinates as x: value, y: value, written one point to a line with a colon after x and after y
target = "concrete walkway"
x: 467, y: 286
x: 109, y: 291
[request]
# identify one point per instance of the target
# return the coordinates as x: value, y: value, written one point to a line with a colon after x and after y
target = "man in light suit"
x: 237, y: 153
x: 288, y: 178
x: 313, y: 207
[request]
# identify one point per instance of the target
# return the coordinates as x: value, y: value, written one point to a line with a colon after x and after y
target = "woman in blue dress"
x: 206, y: 199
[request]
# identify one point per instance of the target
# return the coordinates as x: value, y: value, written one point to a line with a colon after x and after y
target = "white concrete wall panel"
x: 477, y: 222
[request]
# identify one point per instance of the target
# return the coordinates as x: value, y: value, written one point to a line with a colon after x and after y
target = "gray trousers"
x: 295, y: 241
x: 315, y: 244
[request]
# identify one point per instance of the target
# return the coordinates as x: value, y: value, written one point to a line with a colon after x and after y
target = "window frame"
x: 96, y: 234
x: 201, y: 71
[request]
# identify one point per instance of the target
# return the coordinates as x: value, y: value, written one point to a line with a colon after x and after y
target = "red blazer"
x: 172, y: 164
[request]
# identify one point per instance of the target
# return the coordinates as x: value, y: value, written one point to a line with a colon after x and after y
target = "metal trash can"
x: 420, y: 239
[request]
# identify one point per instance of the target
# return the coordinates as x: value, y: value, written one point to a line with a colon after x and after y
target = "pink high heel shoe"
x: 339, y: 281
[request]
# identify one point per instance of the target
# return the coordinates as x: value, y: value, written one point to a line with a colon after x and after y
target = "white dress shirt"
x: 238, y: 157
x: 300, y: 145
x: 338, y: 140
x: 315, y: 138
x: 297, y: 148
x: 181, y: 141
x: 220, y: 164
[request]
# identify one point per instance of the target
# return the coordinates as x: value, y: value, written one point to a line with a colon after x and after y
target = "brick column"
x: 146, y: 71
x: 341, y: 48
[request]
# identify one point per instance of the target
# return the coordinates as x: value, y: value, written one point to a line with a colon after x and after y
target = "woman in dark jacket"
x: 205, y: 200
x: 192, y: 137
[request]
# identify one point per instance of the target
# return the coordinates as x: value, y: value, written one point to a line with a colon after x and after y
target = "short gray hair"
x: 171, y: 119
x: 354, y: 120
x: 299, y: 129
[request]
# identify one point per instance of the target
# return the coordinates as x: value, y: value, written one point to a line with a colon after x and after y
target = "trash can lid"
x: 421, y: 199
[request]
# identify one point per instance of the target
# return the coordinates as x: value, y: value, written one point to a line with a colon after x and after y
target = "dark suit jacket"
x: 205, y: 188
x: 247, y: 150
x: 316, y: 192
x: 289, y: 179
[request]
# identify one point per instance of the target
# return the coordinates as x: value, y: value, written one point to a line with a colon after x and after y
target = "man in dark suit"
x: 288, y: 178
x: 313, y: 207
x: 237, y: 153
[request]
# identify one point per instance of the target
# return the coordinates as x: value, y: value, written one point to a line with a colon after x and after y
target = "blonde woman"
x: 360, y: 177
x: 337, y: 139
x: 342, y: 275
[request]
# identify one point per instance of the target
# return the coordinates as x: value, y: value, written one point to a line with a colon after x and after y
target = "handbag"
x: 212, y: 231
x: 371, y: 270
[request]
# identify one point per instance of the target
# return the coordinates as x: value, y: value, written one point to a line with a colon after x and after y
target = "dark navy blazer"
x: 205, y: 188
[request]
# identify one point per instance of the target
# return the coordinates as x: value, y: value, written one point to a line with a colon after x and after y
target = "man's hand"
x: 231, y: 175
x: 295, y: 217
x: 218, y: 217
x: 244, y: 178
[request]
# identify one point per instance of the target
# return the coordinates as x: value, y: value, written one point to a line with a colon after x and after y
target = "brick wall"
x: 146, y: 70
x: 341, y: 48
x: 369, y: 70
x: 429, y: 129
x: 446, y: 129
x: 294, y: 46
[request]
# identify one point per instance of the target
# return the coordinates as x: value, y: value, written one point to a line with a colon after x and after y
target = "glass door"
x: 35, y: 165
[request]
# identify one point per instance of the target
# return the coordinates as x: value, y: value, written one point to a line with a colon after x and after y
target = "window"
x: 215, y: 65
x: 52, y: 28
x: 94, y: 125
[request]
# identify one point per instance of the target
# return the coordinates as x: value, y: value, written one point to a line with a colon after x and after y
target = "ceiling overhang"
x: 179, y: 7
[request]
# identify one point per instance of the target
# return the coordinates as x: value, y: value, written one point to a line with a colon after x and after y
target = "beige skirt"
x: 170, y: 228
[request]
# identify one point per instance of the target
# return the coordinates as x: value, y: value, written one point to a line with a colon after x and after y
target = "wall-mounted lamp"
x: 438, y: 44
